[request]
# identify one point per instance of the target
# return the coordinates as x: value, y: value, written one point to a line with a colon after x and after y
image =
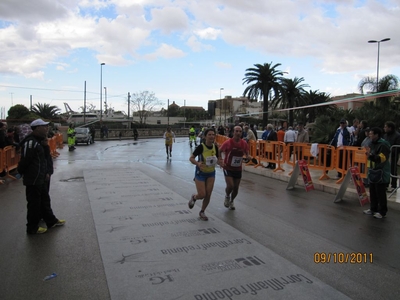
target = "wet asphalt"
x: 302, y: 227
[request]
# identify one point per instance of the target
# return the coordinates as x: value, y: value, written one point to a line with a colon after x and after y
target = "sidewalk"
x: 328, y: 186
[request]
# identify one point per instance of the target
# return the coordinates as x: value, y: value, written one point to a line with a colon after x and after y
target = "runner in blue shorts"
x: 207, y: 158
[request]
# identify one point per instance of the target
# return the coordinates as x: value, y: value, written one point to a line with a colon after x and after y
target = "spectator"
x: 10, y: 141
x: 361, y: 133
x: 378, y: 155
x: 93, y: 132
x: 249, y: 134
x: 393, y: 137
x: 270, y: 135
x: 254, y: 129
x: 33, y: 168
x: 340, y: 139
x: 290, y: 138
x: 302, y: 134
x: 3, y: 141
x: 281, y: 134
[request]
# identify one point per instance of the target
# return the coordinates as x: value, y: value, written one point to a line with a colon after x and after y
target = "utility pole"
x: 129, y: 107
x: 168, y: 112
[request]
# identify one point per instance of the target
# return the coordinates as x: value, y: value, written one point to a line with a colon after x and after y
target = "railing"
x: 9, y: 157
x: 320, y: 157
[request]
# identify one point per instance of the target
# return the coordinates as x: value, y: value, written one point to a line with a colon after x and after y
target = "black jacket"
x: 33, y: 164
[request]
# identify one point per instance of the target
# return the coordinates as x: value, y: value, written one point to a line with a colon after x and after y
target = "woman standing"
x: 208, y: 157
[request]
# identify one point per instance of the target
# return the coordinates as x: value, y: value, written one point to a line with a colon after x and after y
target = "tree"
x: 46, y: 111
x: 293, y: 91
x: 385, y: 84
x: 313, y: 98
x: 263, y: 80
x: 144, y: 103
x: 18, y: 112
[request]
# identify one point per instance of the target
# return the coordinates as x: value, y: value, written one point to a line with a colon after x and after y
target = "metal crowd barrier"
x: 394, y: 167
x: 321, y: 157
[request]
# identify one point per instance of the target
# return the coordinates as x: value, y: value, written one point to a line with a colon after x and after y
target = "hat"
x: 343, y: 121
x: 39, y: 122
x: 290, y: 127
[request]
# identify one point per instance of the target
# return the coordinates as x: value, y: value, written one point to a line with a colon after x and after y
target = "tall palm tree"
x: 386, y: 83
x: 315, y: 97
x: 292, y: 95
x: 46, y: 111
x: 263, y: 80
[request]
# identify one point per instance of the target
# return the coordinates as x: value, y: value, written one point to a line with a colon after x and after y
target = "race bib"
x: 236, y: 161
x: 211, y: 161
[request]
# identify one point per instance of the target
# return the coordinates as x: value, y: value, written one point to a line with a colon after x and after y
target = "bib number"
x: 236, y: 161
x: 211, y: 161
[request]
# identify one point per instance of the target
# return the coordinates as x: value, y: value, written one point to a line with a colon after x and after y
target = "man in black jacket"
x: 33, y: 168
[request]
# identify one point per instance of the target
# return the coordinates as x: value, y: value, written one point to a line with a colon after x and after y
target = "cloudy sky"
x: 187, y: 50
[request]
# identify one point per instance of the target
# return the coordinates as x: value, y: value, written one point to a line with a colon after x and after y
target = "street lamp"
x: 220, y: 105
x: 101, y: 91
x: 377, y: 67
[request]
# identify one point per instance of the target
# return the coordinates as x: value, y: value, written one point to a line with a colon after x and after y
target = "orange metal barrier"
x: 59, y: 140
x: 2, y: 164
x: 349, y: 156
x: 220, y: 139
x: 324, y: 159
x: 271, y: 152
x: 11, y: 159
x: 53, y: 147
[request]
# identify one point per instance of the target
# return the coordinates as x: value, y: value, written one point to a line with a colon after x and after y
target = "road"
x: 299, y: 227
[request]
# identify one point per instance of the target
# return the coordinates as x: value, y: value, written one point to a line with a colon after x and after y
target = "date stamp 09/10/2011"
x: 343, y: 258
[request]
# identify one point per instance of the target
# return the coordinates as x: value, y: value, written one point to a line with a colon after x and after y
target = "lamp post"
x: 377, y: 67
x: 220, y: 105
x: 101, y: 91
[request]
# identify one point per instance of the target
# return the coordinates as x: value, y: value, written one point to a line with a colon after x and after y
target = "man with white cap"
x: 33, y: 168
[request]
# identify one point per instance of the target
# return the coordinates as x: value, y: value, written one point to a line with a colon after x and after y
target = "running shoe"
x: 59, y: 223
x: 231, y: 205
x: 192, y: 201
x: 227, y: 200
x: 368, y: 212
x: 203, y: 216
x: 38, y: 231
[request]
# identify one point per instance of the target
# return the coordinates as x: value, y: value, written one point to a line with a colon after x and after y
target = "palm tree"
x: 263, y: 80
x: 292, y: 95
x: 386, y: 83
x: 46, y: 111
x: 315, y: 97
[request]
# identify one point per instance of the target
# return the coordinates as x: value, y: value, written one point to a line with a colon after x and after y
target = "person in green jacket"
x: 378, y: 156
x: 71, y: 137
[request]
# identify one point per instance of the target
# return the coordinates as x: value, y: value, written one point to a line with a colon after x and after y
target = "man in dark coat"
x: 33, y: 168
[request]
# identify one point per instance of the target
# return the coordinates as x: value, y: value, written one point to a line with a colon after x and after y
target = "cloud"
x: 165, y: 51
x: 169, y: 19
x: 333, y: 33
x: 208, y: 33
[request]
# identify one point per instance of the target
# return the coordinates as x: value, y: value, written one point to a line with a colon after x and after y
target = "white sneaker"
x: 231, y: 205
x: 378, y: 216
x: 227, y: 200
x: 368, y: 212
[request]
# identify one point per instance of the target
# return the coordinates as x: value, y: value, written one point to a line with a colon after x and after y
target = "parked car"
x: 83, y: 135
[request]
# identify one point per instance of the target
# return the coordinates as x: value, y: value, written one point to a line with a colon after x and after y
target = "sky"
x: 187, y: 51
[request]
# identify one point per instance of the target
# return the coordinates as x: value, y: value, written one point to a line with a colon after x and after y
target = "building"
x: 227, y: 110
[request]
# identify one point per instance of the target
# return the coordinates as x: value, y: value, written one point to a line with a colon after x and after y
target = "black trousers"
x: 377, y: 194
x: 39, y: 207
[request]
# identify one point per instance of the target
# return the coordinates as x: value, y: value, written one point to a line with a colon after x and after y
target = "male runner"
x: 169, y: 137
x: 233, y: 151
